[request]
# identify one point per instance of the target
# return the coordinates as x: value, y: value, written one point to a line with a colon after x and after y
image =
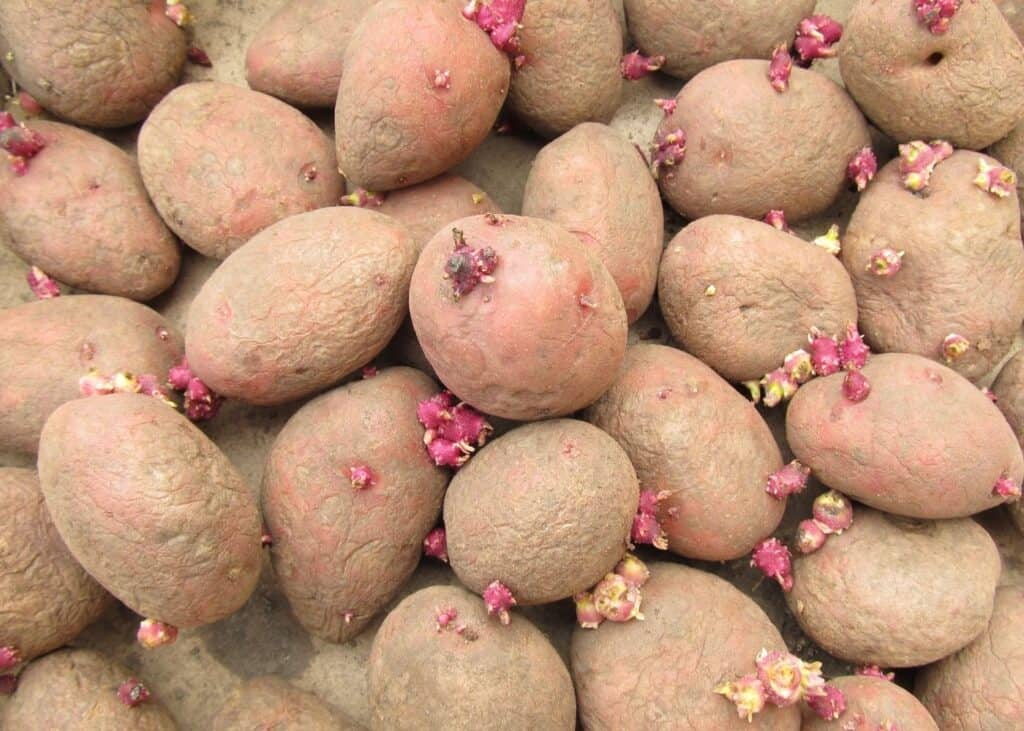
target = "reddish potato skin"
x: 929, y: 584
x: 980, y: 686
x: 270, y: 702
x: 151, y: 508
x: 48, y: 597
x: 82, y: 215
x: 958, y: 241
x: 222, y: 163
x: 926, y: 443
x: 1008, y: 389
x: 751, y: 149
x: 98, y: 64
x: 546, y: 509
x: 592, y: 181
x: 489, y: 676
x: 46, y: 346
x: 698, y: 631
x: 687, y: 432
x: 303, y: 304
x: 525, y: 346
x: 394, y: 126
x: 873, y: 701
x: 770, y: 289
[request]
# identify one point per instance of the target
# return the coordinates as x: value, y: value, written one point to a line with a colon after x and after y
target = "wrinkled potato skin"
x: 876, y: 701
x: 926, y: 443
x: 337, y: 548
x: 222, y: 163
x: 1008, y: 389
x: 698, y: 631
x: 99, y: 64
x: 896, y: 592
x: 963, y: 268
x: 771, y: 288
x: 546, y: 509
x: 78, y: 689
x: 297, y: 55
x: 491, y: 676
x: 306, y: 302
x: 571, y: 74
x: 1010, y: 150
x: 750, y: 149
x: 151, y: 508
x: 980, y: 686
x: 592, y: 181
x: 48, y: 597
x: 687, y: 432
x: 971, y: 98
x: 394, y: 127
x: 525, y: 346
x: 82, y: 215
x: 46, y: 346
x: 271, y: 702
x: 1013, y: 11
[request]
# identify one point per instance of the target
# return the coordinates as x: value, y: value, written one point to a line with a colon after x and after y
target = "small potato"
x: 873, y: 702
x: 222, y: 163
x: 474, y: 673
x: 741, y: 296
x: 926, y: 443
x: 1008, y: 390
x: 270, y: 702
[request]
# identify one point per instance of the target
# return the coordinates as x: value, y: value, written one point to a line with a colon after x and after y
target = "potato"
x: 443, y: 86
x: 1010, y: 149
x: 962, y: 271
x: 741, y: 295
x: 100, y: 64
x: 82, y: 214
x: 571, y: 72
x: 270, y: 702
x: 698, y: 631
x: 592, y: 181
x: 926, y: 443
x: 980, y: 687
x: 342, y: 552
x: 473, y: 674
x: 1013, y: 11
x: 46, y: 346
x: 965, y: 86
x: 751, y: 149
x: 345, y: 269
x: 1008, y: 390
x: 872, y: 702
x: 543, y: 339
x: 546, y: 509
x: 151, y: 508
x: 222, y: 163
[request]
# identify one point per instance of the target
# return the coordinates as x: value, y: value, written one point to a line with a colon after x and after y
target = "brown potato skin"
x: 393, y: 126
x: 1013, y: 11
x: 222, y: 163
x: 270, y: 702
x: 751, y: 149
x: 491, y: 676
x: 695, y: 34
x: 929, y: 584
x: 525, y: 346
x: 926, y: 443
x: 82, y: 215
x: 48, y: 597
x: 873, y: 701
x: 571, y: 74
x: 980, y: 686
x: 971, y: 98
x: 303, y: 304
x: 546, y: 509
x: 771, y: 289
x: 99, y: 64
x: 151, y: 508
x: 373, y: 536
x: 963, y: 268
x: 592, y: 181
x: 698, y: 631
x: 46, y: 346
x: 1008, y: 389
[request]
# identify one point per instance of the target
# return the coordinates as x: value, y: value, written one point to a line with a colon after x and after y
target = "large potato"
x: 272, y: 703
x: 873, y: 702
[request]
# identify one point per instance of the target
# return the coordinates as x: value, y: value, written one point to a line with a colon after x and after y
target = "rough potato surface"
x: 741, y: 295
x: 873, y: 702
x: 302, y: 305
x: 222, y: 163
x: 1013, y: 11
x: 926, y: 443
x: 486, y: 676
x: 698, y: 631
x: 1008, y: 389
x: 272, y: 703
x: 1010, y: 150
x: 151, y: 508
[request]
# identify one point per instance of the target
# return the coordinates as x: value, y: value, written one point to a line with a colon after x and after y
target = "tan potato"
x: 269, y: 702
x: 873, y: 702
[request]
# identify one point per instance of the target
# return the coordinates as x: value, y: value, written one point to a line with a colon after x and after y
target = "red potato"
x: 270, y: 702
x: 871, y: 703
x: 222, y: 163
x: 1008, y: 390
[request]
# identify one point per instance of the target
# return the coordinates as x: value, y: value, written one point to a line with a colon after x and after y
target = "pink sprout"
x: 748, y: 693
x: 809, y: 537
x: 42, y: 285
x: 179, y: 375
x: 646, y: 528
x: 833, y: 512
x: 776, y: 218
x: 201, y: 403
x: 265, y: 538
x: 587, y: 615
x: 830, y: 705
x: 856, y: 387
x: 466, y: 267
x: 29, y: 104
x: 7, y: 121
x: 199, y: 57
x: 452, y: 432
x: 153, y: 633
x: 635, y: 65
x: 853, y: 351
x: 954, y: 346
x: 936, y: 14
x: 10, y: 657
x: 1007, y: 488
x: 780, y: 68
x: 178, y: 13
x: 816, y: 37
x: 668, y: 150
x: 824, y: 353
x: 435, y: 544
x: 918, y: 160
x: 363, y: 199
x: 445, y: 617
x: 772, y: 558
x: 93, y: 383
x: 998, y: 180
x: 633, y: 571
x: 788, y: 679
x: 369, y: 371
x: 500, y: 19
x: 788, y: 480
x: 132, y: 692
x: 778, y: 387
x: 150, y: 385
x: 667, y: 105
x: 885, y: 262
x: 442, y: 79
x: 21, y: 143
x: 798, y: 366
x: 862, y: 168
x: 361, y: 476
x: 873, y: 671
x: 498, y: 599
x: 616, y: 600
